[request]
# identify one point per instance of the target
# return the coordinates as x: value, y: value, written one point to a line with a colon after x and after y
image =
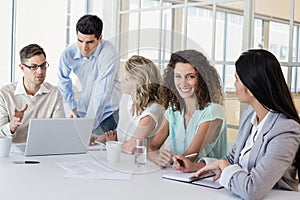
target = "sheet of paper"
x: 100, y: 176
x: 91, y: 170
x: 179, y: 176
x: 186, y: 177
x: 208, y: 182
x: 84, y: 167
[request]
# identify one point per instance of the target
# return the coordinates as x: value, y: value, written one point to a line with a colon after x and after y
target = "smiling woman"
x: 195, y: 119
x: 269, y: 132
x: 185, y: 79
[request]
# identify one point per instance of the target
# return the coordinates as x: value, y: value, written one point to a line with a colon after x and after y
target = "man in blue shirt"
x: 96, y: 64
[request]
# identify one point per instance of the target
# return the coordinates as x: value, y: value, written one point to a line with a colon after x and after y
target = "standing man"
x: 96, y: 63
x: 30, y: 97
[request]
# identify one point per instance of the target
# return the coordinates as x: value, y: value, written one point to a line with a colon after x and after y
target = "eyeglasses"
x: 35, y: 67
x: 188, y: 77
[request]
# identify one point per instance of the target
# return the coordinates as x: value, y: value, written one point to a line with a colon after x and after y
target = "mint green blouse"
x: 181, y: 138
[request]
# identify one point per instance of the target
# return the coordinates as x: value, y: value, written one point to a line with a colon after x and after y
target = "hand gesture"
x: 17, y: 118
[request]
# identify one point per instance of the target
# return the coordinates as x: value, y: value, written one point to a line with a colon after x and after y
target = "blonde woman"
x: 140, y: 112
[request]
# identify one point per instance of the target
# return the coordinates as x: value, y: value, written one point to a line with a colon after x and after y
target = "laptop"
x: 55, y: 136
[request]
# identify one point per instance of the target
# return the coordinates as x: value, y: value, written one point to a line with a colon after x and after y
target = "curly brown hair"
x: 209, y: 88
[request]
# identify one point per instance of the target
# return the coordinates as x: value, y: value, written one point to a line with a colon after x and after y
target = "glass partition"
x: 5, y: 42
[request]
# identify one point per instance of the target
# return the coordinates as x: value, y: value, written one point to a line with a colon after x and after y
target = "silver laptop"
x: 55, y: 136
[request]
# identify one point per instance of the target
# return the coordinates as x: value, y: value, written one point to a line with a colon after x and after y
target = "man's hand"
x: 17, y: 118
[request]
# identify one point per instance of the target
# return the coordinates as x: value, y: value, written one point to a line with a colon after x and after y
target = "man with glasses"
x: 30, y: 97
x: 96, y: 64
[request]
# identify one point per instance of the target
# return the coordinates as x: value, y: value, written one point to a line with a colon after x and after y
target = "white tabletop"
x: 46, y: 181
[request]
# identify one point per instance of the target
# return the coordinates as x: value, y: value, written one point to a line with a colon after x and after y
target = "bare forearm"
x: 152, y: 154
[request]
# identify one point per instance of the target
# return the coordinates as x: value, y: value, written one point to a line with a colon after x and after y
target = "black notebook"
x: 204, y: 180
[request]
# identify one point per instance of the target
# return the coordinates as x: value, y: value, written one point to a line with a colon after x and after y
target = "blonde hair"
x: 147, y: 79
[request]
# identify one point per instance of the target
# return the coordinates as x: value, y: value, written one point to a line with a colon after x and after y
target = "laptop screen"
x: 55, y: 136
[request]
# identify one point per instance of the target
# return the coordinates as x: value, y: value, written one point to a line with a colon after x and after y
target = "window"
x: 234, y: 37
x: 258, y: 34
x: 5, y: 41
x: 155, y: 29
x: 199, y: 29
x: 215, y: 29
x: 52, y: 31
x: 279, y: 40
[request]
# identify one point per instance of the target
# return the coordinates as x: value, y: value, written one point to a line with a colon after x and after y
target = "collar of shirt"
x: 258, y: 127
x: 20, y: 89
x: 94, y: 54
x: 255, y: 131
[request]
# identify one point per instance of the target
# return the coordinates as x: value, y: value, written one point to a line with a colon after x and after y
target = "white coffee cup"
x: 5, y: 145
x: 113, y: 151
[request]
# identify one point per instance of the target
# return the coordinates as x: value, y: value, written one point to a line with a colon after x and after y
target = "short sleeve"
x: 212, y: 112
x: 169, y: 113
x: 155, y: 111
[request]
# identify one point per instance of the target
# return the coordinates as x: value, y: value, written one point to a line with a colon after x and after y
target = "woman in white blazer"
x: 266, y: 153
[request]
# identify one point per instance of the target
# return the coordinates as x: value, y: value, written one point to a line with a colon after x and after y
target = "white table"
x: 46, y: 181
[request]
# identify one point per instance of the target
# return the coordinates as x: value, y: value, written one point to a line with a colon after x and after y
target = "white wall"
x: 106, y: 10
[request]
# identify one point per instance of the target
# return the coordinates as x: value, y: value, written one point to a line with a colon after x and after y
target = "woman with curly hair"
x: 266, y: 154
x: 140, y: 113
x: 194, y: 120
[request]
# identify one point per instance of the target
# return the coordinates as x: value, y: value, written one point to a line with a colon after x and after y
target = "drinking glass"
x: 140, y: 152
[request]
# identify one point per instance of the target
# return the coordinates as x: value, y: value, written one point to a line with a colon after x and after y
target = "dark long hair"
x: 260, y: 72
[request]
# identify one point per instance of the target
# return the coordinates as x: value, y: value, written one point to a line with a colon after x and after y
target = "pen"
x: 191, y: 155
x: 27, y: 162
x: 96, y: 142
x: 181, y: 163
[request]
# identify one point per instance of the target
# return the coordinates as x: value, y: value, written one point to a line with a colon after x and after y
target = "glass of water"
x: 140, y: 152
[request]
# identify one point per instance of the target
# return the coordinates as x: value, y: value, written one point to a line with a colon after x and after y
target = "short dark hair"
x: 90, y: 25
x: 30, y: 51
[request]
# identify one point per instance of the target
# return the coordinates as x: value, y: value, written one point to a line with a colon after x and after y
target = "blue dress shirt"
x: 98, y: 76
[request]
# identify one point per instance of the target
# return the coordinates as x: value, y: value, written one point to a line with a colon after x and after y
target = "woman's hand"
x: 181, y: 163
x: 164, y: 158
x: 217, y: 167
x: 111, y: 135
x: 186, y: 165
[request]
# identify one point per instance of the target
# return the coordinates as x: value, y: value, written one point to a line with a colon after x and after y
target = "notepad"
x: 204, y: 180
